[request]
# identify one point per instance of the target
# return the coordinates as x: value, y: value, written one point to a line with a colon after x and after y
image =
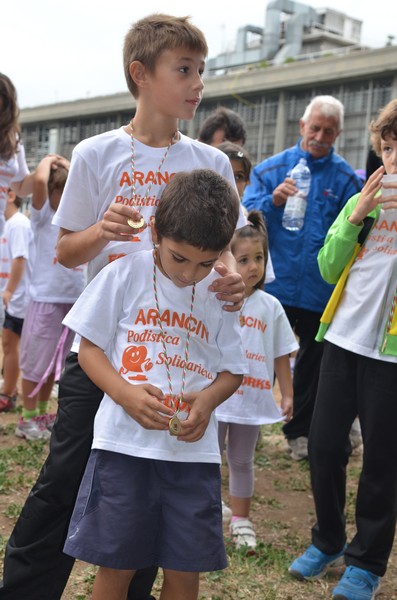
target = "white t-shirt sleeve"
x: 97, y: 321
x: 230, y: 344
x: 19, y: 239
x: 284, y: 337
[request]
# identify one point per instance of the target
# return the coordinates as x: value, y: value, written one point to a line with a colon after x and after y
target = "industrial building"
x: 268, y: 78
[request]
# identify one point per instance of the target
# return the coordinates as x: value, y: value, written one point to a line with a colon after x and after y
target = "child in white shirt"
x: 267, y: 339
x: 14, y: 283
x: 358, y: 376
x: 53, y: 290
x: 161, y: 332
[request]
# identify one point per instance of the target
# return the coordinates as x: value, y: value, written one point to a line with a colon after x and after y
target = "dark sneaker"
x: 357, y: 584
x: 313, y: 563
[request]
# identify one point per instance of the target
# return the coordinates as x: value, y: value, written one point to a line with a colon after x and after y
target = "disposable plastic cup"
x: 389, y: 180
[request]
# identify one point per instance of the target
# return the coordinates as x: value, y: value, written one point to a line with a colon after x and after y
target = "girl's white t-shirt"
x: 266, y: 335
x: 51, y: 282
x: 359, y: 322
x: 13, y: 170
x: 100, y: 175
x: 15, y: 243
x: 117, y: 312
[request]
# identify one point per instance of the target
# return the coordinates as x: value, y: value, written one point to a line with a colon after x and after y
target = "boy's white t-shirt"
x: 51, y: 282
x: 100, y: 175
x: 117, y: 312
x: 12, y: 170
x: 15, y: 243
x: 359, y: 322
x: 266, y: 335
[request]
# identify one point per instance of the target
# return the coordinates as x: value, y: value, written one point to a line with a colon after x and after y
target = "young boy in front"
x: 113, y: 176
x: 167, y: 350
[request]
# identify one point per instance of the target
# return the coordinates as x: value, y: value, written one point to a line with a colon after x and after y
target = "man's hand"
x: 282, y: 191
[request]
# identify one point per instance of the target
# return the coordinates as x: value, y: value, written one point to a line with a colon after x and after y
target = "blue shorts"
x: 14, y: 324
x: 133, y: 513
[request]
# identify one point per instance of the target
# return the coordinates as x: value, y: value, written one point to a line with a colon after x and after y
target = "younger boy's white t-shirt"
x: 15, y: 243
x: 360, y: 320
x: 117, y: 312
x: 266, y: 335
x: 51, y: 281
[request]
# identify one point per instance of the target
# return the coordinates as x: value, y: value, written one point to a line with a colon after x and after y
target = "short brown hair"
x: 226, y: 119
x: 57, y: 179
x: 384, y: 126
x: 199, y: 207
x: 149, y: 37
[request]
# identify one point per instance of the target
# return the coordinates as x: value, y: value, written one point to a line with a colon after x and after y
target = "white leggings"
x: 240, y: 450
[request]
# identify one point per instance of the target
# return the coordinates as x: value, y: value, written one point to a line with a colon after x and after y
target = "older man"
x: 298, y: 284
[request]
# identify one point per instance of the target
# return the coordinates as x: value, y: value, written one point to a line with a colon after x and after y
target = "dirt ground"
x: 282, y: 512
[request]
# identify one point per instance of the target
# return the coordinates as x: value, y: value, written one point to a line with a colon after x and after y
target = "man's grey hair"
x: 328, y: 106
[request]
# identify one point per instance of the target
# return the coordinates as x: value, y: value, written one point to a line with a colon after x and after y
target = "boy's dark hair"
x: 9, y: 113
x: 18, y: 201
x: 200, y: 208
x: 236, y: 152
x: 384, y: 126
x: 256, y: 229
x: 226, y: 119
x: 57, y: 179
x: 149, y: 37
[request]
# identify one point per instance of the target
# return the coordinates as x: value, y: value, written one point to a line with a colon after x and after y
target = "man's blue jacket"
x: 298, y: 281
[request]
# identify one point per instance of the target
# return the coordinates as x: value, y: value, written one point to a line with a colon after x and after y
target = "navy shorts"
x: 133, y: 513
x: 14, y: 324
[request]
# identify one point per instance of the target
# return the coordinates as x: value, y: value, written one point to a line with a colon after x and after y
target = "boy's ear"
x: 155, y: 236
x: 11, y: 197
x: 138, y: 73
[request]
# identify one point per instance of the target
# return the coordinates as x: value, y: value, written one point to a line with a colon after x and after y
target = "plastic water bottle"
x: 295, y: 207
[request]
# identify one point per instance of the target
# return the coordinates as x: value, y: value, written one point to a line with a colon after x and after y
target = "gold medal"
x: 174, y: 425
x: 137, y: 226
x: 242, y: 320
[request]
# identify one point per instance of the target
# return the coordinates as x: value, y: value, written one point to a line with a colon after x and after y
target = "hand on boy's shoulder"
x: 229, y: 287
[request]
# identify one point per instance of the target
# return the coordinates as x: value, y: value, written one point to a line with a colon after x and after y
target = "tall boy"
x: 165, y: 342
x: 110, y: 174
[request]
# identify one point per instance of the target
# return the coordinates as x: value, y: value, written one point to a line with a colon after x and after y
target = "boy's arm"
x: 23, y: 188
x: 17, y: 269
x: 203, y: 404
x: 283, y: 371
x: 41, y: 176
x: 141, y: 402
x: 75, y: 248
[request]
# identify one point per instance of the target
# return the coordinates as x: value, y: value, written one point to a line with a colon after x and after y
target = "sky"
x: 60, y: 52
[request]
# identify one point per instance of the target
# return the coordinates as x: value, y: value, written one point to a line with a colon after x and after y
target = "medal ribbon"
x: 172, y: 395
x: 133, y: 164
x: 392, y: 312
